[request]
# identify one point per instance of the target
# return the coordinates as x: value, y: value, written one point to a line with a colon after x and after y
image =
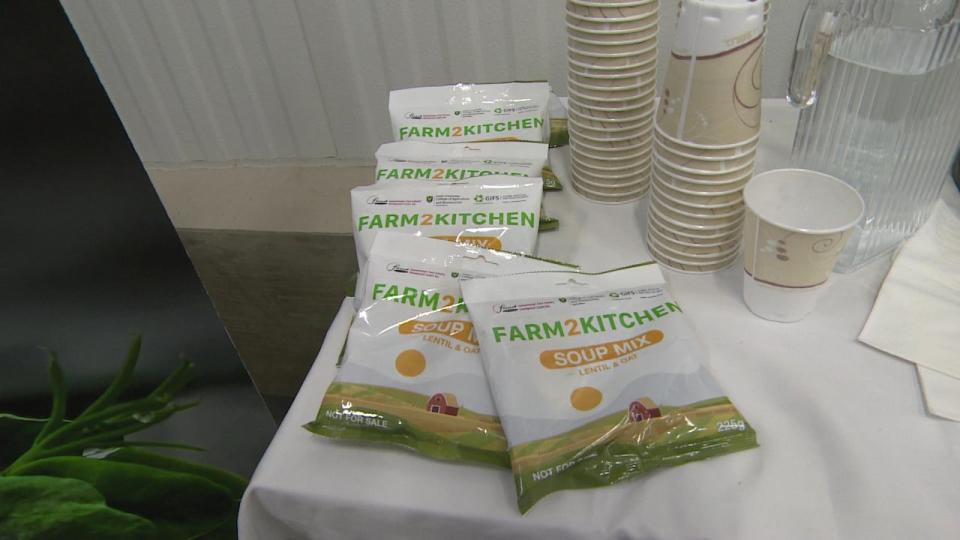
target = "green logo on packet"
x: 478, y: 198
x: 456, y: 113
x: 429, y: 198
x: 454, y: 274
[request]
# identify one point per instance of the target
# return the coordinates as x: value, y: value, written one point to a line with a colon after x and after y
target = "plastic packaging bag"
x: 495, y: 212
x: 597, y: 379
x: 411, y: 374
x: 415, y: 160
x: 472, y: 112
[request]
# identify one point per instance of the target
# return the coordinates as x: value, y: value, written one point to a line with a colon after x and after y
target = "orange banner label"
x: 601, y: 352
x: 488, y: 242
x: 459, y: 330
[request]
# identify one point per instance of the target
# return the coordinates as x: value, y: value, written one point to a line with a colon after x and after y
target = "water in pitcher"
x: 879, y: 83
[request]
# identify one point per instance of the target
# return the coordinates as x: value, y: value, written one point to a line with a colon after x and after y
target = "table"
x: 846, y: 448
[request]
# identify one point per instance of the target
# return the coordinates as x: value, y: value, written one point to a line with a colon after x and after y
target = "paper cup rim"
x: 646, y: 65
x: 706, y: 146
x: 599, y: 158
x: 648, y: 97
x: 659, y: 187
x: 627, y: 128
x: 643, y: 184
x: 604, y: 119
x: 591, y: 139
x: 606, y: 76
x: 702, y: 182
x: 614, y: 20
x: 579, y: 39
x: 677, y: 254
x: 638, y: 52
x: 736, y: 229
x: 598, y: 178
x: 609, y: 109
x: 654, y: 24
x: 691, y: 170
x: 697, y: 193
x: 610, y: 88
x: 633, y: 197
x: 694, y: 226
x: 747, y: 191
x: 706, y: 158
x: 673, y: 206
x: 628, y: 3
x: 652, y: 228
x: 657, y: 220
x: 575, y: 143
x: 680, y: 260
x: 631, y: 167
x: 723, y: 265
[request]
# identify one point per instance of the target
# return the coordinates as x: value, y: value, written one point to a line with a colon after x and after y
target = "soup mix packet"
x: 411, y: 373
x: 597, y: 378
x: 495, y: 212
x: 465, y: 112
x: 415, y: 160
x: 458, y: 113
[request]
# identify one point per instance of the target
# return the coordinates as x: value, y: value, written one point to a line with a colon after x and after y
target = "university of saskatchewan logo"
x: 454, y: 274
x: 478, y: 198
x: 456, y: 113
x: 562, y: 300
x: 498, y: 110
x: 614, y: 295
x: 429, y: 198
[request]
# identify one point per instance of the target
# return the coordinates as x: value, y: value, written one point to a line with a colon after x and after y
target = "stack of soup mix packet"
x: 478, y: 113
x: 573, y: 380
x: 707, y: 131
x: 611, y: 80
x: 411, y: 374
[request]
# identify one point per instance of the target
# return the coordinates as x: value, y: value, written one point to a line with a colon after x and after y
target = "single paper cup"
x: 797, y: 223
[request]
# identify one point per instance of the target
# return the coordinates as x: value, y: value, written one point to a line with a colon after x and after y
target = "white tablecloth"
x: 847, y: 450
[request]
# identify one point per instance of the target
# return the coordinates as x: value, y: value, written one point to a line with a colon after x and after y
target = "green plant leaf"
x: 178, y: 503
x: 42, y: 508
x: 59, y: 407
x: 234, y: 483
x: 119, y: 383
x: 17, y: 434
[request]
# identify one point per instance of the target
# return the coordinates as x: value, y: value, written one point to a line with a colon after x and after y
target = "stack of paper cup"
x: 705, y: 139
x: 612, y: 59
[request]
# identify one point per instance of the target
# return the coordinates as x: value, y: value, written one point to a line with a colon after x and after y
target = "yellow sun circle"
x: 411, y: 363
x: 585, y: 398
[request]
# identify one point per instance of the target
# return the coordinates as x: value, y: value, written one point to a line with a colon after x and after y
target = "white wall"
x: 225, y: 80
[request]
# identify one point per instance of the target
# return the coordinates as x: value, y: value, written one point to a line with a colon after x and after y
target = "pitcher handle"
x: 817, y: 29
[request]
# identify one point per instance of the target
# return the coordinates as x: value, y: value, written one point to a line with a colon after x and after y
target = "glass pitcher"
x: 878, y: 82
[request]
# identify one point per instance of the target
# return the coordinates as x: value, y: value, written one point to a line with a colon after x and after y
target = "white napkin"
x: 917, y: 313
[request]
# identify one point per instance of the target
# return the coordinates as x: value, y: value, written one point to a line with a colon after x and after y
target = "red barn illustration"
x: 643, y: 409
x: 444, y: 403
